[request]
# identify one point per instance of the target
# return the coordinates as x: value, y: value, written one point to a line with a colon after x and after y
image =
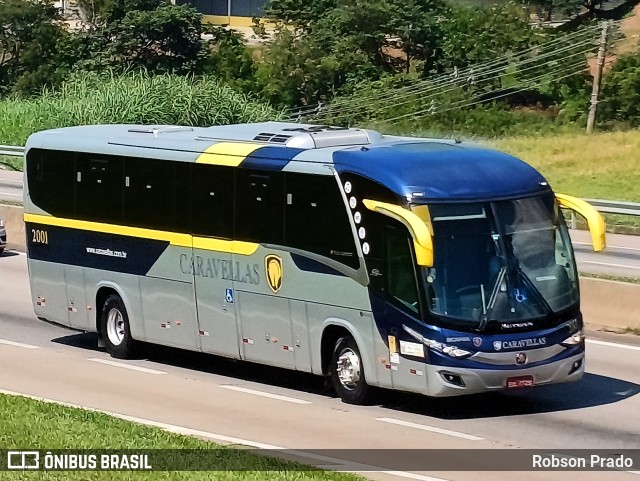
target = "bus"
x: 421, y: 265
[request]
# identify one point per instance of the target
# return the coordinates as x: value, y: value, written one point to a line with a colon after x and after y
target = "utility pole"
x: 591, y: 120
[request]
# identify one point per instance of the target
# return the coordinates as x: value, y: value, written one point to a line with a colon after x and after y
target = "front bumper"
x: 483, y: 380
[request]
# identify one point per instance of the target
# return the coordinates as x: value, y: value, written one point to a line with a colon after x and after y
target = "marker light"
x: 574, y: 339
x: 452, y: 351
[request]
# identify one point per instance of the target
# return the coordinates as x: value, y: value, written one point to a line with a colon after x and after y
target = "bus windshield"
x: 506, y: 261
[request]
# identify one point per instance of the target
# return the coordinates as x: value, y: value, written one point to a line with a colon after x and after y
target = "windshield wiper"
x: 534, y: 290
x: 492, y: 299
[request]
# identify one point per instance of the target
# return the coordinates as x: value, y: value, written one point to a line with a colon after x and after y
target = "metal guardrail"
x: 602, y: 205
x: 11, y: 150
x: 615, y: 206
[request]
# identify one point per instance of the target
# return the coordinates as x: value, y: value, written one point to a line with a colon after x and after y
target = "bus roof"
x: 414, y: 168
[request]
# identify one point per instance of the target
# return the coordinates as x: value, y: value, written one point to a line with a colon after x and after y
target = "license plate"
x: 519, y: 381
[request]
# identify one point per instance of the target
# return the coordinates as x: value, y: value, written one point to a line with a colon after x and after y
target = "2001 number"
x: 40, y: 236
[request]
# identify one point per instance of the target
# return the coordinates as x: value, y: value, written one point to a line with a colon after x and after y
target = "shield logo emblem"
x: 477, y: 341
x: 497, y: 345
x: 273, y: 269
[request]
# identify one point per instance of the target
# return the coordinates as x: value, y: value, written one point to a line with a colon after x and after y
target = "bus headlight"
x: 574, y: 339
x: 452, y: 351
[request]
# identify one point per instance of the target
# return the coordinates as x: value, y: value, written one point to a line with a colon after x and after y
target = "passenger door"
x: 263, y: 306
x: 212, y: 263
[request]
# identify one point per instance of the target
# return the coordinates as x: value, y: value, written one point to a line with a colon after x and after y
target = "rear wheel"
x: 347, y: 372
x: 114, y: 328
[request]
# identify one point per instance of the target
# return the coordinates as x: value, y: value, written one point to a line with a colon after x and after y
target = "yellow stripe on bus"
x: 230, y: 154
x: 236, y: 247
x: 176, y: 239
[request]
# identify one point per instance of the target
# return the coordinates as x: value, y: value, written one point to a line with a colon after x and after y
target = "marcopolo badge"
x: 273, y: 269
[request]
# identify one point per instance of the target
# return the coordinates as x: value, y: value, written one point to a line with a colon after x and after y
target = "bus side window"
x: 211, y: 202
x: 99, y: 188
x: 147, y: 194
x: 259, y: 215
x: 50, y: 175
x: 316, y: 218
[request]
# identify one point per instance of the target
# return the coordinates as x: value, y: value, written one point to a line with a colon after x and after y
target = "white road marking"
x: 126, y: 366
x: 609, y: 247
x: 265, y: 394
x: 432, y: 429
x: 609, y: 264
x: 614, y: 344
x: 327, y: 461
x: 17, y: 344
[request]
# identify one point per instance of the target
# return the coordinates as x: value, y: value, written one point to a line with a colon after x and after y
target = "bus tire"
x: 114, y: 328
x: 347, y: 372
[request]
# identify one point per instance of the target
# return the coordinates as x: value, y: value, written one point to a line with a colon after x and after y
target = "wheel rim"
x: 115, y: 327
x: 348, y: 368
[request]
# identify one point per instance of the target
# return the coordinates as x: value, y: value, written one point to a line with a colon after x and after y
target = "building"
x: 237, y: 13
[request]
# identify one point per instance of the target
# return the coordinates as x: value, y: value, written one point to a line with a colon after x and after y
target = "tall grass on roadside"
x: 137, y: 98
x: 600, y: 166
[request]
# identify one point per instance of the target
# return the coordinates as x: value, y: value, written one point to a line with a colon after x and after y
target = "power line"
x: 400, y: 100
x: 480, y: 67
x: 461, y: 105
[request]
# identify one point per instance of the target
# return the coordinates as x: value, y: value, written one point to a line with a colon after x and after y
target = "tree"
x: 29, y: 44
x: 302, y: 14
x: 621, y: 91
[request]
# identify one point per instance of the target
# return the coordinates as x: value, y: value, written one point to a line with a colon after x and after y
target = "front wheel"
x: 114, y: 328
x: 347, y: 372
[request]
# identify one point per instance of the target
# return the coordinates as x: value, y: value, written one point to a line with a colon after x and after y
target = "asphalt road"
x: 10, y: 186
x: 237, y: 402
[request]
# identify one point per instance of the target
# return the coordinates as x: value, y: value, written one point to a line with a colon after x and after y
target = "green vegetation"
x: 601, y: 166
x: 34, y: 424
x: 90, y: 98
x: 399, y: 66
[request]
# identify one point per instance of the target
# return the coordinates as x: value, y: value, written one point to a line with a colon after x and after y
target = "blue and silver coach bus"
x: 412, y: 264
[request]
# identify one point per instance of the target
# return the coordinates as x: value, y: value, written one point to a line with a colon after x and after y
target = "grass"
x: 136, y: 98
x: 31, y: 424
x: 607, y: 277
x: 600, y: 166
x: 11, y: 162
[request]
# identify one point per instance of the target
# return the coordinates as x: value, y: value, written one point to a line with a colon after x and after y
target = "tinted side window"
x: 51, y: 177
x: 211, y: 200
x: 316, y: 218
x: 259, y: 206
x: 99, y: 188
x: 148, y: 193
x: 401, y: 279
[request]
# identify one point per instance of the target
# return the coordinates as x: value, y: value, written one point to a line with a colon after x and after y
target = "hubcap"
x: 115, y: 327
x: 348, y: 368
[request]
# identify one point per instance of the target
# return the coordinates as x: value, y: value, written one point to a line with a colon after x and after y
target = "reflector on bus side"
x: 594, y: 219
x: 422, y: 240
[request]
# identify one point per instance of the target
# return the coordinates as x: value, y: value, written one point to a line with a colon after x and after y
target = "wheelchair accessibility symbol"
x: 228, y: 295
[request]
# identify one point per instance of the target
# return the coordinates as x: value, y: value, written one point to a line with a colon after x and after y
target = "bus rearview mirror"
x: 594, y: 219
x: 422, y: 241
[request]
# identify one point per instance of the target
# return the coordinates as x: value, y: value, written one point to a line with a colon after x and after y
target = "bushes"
x: 620, y: 100
x: 89, y: 98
